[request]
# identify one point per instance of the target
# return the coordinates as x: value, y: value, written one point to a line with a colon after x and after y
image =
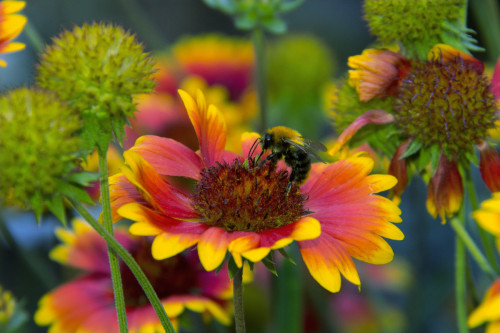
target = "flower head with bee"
x: 236, y: 205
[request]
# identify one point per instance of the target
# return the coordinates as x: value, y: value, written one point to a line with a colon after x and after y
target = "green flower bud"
x: 97, y: 69
x: 38, y: 150
x: 417, y: 25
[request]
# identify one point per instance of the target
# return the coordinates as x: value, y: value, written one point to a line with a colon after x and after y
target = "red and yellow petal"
x: 377, y: 117
x: 209, y: 126
x: 172, y: 236
x: 326, y: 259
x: 212, y: 247
x: 375, y: 73
x: 353, y: 220
x: 169, y: 157
x: 156, y: 190
x: 445, y: 190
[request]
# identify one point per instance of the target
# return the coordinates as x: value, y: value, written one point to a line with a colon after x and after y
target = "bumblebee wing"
x: 308, y: 146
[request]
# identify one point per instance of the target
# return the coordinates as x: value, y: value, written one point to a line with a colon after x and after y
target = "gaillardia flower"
x: 244, y: 208
x: 443, y: 108
x: 488, y: 311
x: 11, y: 25
x: 86, y: 304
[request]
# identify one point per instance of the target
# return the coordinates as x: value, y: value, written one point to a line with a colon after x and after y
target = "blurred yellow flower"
x: 488, y: 310
x: 11, y: 25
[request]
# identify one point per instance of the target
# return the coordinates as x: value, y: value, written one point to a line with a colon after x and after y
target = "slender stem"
x: 239, y: 314
x: 37, y: 267
x: 460, y: 276
x: 487, y: 18
x: 260, y: 75
x: 34, y: 37
x: 472, y: 247
x: 131, y: 263
x: 486, y: 242
x: 460, y: 286
x: 143, y: 24
x: 113, y: 258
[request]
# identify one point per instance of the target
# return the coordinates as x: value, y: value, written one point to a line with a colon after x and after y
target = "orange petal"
x: 445, y: 53
x: 375, y: 73
x: 397, y: 168
x: 209, y: 126
x: 325, y: 258
x: 495, y: 80
x: 370, y: 117
x: 212, y: 248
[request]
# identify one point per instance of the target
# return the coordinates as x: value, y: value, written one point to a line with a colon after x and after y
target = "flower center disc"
x: 447, y: 104
x: 239, y: 197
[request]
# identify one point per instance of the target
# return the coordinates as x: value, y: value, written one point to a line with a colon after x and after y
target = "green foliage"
x: 253, y: 14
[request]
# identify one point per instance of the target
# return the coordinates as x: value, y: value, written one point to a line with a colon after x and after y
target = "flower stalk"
x: 113, y: 258
x: 260, y: 75
x: 131, y: 263
x: 460, y: 282
x: 468, y: 242
x: 239, y: 314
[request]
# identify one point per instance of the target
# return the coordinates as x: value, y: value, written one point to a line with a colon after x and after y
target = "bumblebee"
x: 288, y: 144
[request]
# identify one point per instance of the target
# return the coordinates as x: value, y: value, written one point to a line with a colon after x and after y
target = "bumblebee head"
x: 266, y: 140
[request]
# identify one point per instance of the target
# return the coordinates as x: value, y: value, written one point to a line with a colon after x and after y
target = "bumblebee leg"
x: 274, y: 158
x: 288, y: 187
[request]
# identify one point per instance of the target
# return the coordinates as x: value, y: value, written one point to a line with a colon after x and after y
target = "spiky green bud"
x: 38, y: 150
x: 97, y: 69
x: 418, y: 25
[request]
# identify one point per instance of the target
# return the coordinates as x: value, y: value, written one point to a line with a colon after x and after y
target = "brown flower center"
x: 246, y: 197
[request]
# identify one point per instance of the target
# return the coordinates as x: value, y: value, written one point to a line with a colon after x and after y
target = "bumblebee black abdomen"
x: 300, y: 162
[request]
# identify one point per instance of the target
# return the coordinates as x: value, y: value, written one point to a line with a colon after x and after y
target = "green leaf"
x: 269, y: 263
x: 245, y: 22
x: 83, y: 178
x: 286, y: 255
x: 37, y: 206
x: 472, y: 157
x: 275, y: 25
x: 74, y: 192
x: 286, y: 6
x: 232, y: 268
x: 56, y: 206
x: 413, y: 148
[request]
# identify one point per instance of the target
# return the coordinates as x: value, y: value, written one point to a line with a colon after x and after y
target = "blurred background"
x: 414, y: 293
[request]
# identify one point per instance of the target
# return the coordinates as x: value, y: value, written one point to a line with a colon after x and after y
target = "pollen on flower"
x: 449, y: 104
x: 236, y: 197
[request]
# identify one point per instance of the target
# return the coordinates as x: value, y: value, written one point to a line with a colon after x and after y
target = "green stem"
x: 239, y: 314
x: 260, y: 75
x: 460, y: 285
x: 113, y: 258
x: 142, y: 24
x: 34, y: 37
x: 32, y: 261
x: 460, y: 275
x: 472, y: 247
x: 485, y: 239
x: 487, y: 18
x: 131, y: 263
